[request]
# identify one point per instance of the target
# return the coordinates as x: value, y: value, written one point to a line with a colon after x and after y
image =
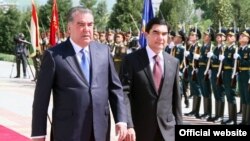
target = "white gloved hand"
x: 210, y: 54
x: 236, y: 55
x: 196, y: 56
x: 221, y: 57
x: 171, y: 45
x: 186, y: 53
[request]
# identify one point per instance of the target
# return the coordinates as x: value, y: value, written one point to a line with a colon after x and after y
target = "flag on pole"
x: 34, y: 31
x: 147, y: 15
x: 54, y: 24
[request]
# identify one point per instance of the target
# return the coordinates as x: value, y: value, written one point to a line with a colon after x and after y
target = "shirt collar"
x: 78, y: 48
x: 151, y: 53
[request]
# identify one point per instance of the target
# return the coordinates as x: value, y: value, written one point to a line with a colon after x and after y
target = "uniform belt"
x: 117, y: 60
x: 244, y: 68
x: 227, y: 68
x: 215, y: 66
x: 202, y: 64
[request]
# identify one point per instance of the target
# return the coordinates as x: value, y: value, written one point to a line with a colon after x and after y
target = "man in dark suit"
x: 154, y: 107
x: 81, y: 96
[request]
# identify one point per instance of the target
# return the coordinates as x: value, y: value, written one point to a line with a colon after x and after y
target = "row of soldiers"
x: 214, y: 68
x: 120, y: 43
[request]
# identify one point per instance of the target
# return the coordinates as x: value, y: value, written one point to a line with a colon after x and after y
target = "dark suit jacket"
x: 151, y: 111
x: 77, y: 106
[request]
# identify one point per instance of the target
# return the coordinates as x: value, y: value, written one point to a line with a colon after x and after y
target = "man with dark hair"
x: 150, y: 78
x: 81, y: 74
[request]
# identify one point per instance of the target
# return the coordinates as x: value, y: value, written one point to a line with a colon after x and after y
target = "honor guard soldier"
x: 228, y: 64
x: 244, y: 74
x: 120, y: 50
x: 170, y: 44
x: 102, y: 37
x: 110, y: 39
x: 192, y: 56
x: 216, y: 82
x: 178, y: 52
x: 128, y: 38
x: 203, y: 73
x: 96, y: 35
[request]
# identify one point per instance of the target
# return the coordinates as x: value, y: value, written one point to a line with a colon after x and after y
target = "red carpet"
x: 10, y: 135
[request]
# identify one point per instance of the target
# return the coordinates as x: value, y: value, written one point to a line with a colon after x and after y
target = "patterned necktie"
x: 85, y: 64
x: 157, y: 72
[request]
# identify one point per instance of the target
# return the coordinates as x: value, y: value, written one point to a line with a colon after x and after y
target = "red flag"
x: 34, y: 31
x: 54, y: 24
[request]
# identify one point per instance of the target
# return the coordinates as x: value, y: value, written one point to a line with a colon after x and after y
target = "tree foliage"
x: 9, y: 27
x: 126, y: 15
x: 176, y: 12
x: 44, y: 14
x: 101, y: 15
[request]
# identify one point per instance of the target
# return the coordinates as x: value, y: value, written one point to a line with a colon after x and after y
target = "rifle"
x: 219, y: 75
x: 195, y: 63
x: 208, y: 64
x: 233, y: 81
x: 185, y: 61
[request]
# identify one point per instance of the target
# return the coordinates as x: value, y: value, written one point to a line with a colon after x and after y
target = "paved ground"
x: 16, y: 97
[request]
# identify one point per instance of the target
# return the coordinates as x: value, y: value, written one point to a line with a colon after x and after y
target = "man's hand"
x: 130, y: 135
x: 38, y: 139
x: 121, y: 131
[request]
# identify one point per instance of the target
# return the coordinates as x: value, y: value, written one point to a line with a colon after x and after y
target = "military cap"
x: 110, y: 31
x: 210, y: 32
x: 181, y: 34
x: 222, y: 32
x: 172, y: 34
x: 195, y: 31
x: 246, y: 33
x: 232, y: 32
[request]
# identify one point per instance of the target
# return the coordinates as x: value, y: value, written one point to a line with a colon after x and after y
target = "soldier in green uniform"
x: 170, y: 44
x: 228, y: 63
x: 203, y: 73
x: 217, y: 87
x: 102, y: 37
x: 244, y: 74
x: 120, y: 50
x: 178, y: 52
x: 110, y: 39
x: 195, y: 89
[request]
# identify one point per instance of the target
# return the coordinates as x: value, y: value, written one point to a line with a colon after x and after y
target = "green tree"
x: 241, y: 13
x: 90, y: 4
x: 9, y: 27
x: 126, y: 15
x: 101, y: 16
x: 44, y: 14
x: 224, y: 13
x: 176, y: 12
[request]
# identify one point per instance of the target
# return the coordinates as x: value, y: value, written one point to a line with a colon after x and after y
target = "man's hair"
x: 155, y: 21
x: 80, y: 9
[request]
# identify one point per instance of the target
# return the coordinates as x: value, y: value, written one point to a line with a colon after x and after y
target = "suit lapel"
x: 145, y: 63
x: 70, y: 57
x: 93, y: 59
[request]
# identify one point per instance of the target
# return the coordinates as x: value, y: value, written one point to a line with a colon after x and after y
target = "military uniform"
x: 119, y: 50
x: 204, y: 80
x: 195, y: 88
x: 243, y: 58
x: 217, y: 87
x: 228, y: 64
